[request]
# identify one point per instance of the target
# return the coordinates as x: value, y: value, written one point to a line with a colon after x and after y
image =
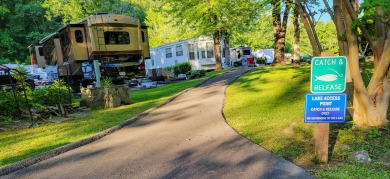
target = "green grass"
x: 262, y: 103
x: 19, y: 144
x: 267, y: 106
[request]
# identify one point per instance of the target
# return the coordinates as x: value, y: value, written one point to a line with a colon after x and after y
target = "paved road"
x: 187, y: 138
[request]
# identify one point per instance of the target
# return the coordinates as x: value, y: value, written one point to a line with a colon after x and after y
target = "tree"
x: 22, y: 23
x: 258, y: 34
x: 163, y: 27
x: 327, y: 36
x: 370, y: 103
x: 279, y: 27
x: 71, y: 11
x: 297, y: 52
x: 218, y: 18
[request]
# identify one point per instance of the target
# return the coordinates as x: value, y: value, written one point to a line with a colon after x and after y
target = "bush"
x: 106, y: 82
x: 169, y: 68
x: 57, y: 93
x: 192, y: 74
x: 260, y: 61
x: 54, y: 94
x: 182, y: 68
x: 7, y: 105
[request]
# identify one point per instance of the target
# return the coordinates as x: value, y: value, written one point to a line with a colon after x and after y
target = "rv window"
x: 143, y: 36
x: 247, y: 52
x: 40, y: 51
x: 78, y: 34
x: 191, y: 51
x: 179, y: 50
x: 113, y: 38
x: 203, y: 50
x: 210, y: 51
x: 168, y: 52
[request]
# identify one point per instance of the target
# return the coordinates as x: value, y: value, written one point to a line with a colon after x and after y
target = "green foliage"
x: 182, y: 68
x: 107, y: 82
x: 258, y: 36
x: 169, y: 68
x: 20, y: 72
x: 57, y: 93
x: 22, y: 23
x: 218, y: 18
x: 3, y: 11
x: 164, y: 27
x: 51, y: 95
x: 7, y: 105
x: 368, y: 8
x: 260, y: 60
x: 71, y: 11
x: 374, y: 133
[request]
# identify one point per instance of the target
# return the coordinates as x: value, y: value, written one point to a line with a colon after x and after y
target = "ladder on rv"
x: 100, y: 38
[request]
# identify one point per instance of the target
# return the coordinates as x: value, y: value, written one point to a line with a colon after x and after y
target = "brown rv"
x: 118, y: 42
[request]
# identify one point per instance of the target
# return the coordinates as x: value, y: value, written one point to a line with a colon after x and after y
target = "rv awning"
x: 53, y: 34
x: 47, y: 38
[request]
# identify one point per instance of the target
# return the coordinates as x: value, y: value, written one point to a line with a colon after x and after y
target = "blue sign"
x: 325, y: 108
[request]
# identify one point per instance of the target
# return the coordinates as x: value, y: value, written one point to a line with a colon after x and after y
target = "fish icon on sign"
x: 327, y: 77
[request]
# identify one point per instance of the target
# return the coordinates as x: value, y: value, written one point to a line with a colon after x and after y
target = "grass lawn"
x: 19, y: 144
x: 267, y: 107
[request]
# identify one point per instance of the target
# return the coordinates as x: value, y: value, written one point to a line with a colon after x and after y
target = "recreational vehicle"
x: 266, y: 54
x: 198, y: 51
x: 102, y: 44
x: 242, y: 56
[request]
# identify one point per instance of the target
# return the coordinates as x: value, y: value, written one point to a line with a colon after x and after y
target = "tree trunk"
x: 277, y: 29
x: 343, y: 48
x: 217, y: 50
x: 297, y: 53
x: 370, y: 105
x: 226, y: 42
x: 227, y: 51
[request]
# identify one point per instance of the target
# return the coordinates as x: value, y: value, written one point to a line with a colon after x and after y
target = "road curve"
x: 186, y: 138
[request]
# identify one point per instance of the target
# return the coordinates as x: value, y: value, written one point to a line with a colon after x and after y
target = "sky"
x: 325, y: 16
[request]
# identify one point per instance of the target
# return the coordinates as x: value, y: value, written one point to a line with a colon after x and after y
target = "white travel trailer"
x: 267, y: 54
x: 241, y: 56
x: 198, y: 51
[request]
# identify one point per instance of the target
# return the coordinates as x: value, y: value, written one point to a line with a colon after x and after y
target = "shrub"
x: 182, y: 68
x: 107, y: 82
x: 260, y: 60
x: 8, y: 105
x: 195, y: 74
x: 54, y: 94
x: 169, y: 68
x: 57, y: 93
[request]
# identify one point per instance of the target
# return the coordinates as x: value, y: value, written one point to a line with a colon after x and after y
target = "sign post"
x: 328, y: 103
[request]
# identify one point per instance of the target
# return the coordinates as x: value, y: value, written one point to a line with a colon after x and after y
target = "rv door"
x: 145, y: 42
x: 79, y: 43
